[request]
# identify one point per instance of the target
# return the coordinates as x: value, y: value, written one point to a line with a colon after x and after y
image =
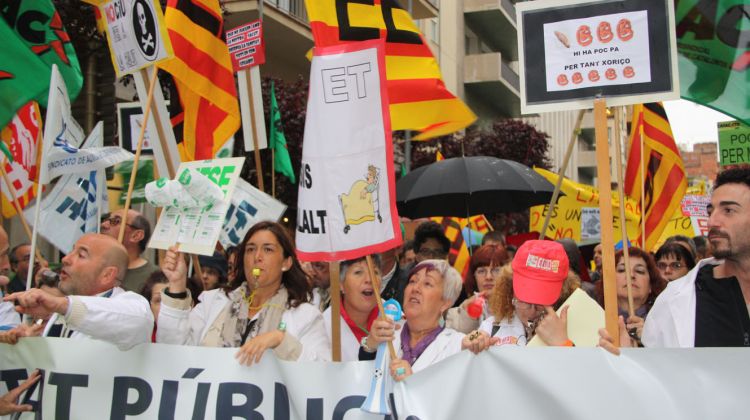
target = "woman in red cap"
x: 525, y: 296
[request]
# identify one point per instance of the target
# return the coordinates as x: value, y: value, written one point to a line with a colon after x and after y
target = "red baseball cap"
x: 539, y: 269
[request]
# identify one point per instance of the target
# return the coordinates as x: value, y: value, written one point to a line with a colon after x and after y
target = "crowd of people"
x: 258, y: 296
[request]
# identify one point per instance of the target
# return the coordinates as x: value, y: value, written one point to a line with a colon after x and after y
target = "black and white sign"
x: 623, y: 51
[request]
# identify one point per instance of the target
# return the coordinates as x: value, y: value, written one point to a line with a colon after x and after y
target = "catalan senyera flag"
x: 21, y: 145
x: 654, y: 166
x: 417, y: 95
x: 203, y: 74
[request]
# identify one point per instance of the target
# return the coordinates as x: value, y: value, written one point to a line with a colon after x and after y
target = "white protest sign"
x: 197, y: 229
x: 346, y: 205
x: 154, y: 381
x: 249, y: 206
x: 251, y: 108
x: 591, y: 227
x: 136, y: 34
x: 71, y: 208
x: 599, y: 51
x: 572, y: 51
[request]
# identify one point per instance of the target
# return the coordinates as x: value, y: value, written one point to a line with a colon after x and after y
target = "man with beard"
x: 94, y: 306
x: 708, y: 307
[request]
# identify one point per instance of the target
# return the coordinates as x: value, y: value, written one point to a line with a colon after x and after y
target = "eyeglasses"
x: 675, y: 265
x: 484, y: 271
x: 115, y: 221
x: 524, y: 306
x: 431, y: 253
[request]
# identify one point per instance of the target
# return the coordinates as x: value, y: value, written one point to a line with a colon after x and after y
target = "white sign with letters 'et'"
x: 347, y: 203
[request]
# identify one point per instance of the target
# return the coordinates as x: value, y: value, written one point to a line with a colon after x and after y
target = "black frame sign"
x: 573, y: 51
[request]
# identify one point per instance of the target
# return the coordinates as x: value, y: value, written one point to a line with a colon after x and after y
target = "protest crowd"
x: 372, y: 273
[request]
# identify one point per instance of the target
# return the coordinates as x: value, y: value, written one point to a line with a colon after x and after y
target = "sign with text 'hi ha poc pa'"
x: 347, y: 203
x: 623, y: 51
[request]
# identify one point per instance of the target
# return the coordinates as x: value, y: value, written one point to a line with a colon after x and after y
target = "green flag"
x: 714, y: 54
x: 277, y: 141
x: 18, y: 83
x: 38, y: 26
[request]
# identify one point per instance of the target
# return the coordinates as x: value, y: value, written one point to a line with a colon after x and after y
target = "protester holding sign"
x: 709, y: 306
x: 528, y: 292
x: 433, y: 287
x: 646, y: 284
x: 359, y: 309
x: 265, y: 308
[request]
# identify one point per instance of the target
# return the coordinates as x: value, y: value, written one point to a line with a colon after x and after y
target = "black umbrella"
x: 467, y: 186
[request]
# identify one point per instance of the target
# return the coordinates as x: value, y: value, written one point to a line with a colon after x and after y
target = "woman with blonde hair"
x: 528, y: 292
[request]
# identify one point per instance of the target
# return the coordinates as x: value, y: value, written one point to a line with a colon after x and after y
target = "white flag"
x: 63, y: 135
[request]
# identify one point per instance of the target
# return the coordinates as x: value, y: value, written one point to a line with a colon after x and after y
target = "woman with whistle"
x: 422, y: 341
x: 266, y: 307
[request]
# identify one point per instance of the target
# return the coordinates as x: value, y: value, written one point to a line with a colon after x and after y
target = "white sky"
x: 692, y: 123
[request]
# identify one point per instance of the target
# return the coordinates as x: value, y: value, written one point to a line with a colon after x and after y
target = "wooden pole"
x: 253, y: 129
x: 273, y: 172
x: 563, y: 168
x: 18, y: 208
x: 134, y: 170
x: 376, y: 287
x: 335, y: 288
x: 604, y: 181
x: 621, y: 197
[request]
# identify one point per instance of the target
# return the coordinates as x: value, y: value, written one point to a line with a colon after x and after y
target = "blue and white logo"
x: 62, y: 142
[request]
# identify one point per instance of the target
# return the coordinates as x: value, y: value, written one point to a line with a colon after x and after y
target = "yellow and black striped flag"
x: 203, y: 74
x: 417, y: 94
x: 654, y: 165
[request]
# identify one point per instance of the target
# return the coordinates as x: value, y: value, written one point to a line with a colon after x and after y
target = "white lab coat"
x: 179, y: 324
x: 446, y: 344
x: 349, y: 343
x: 123, y: 319
x: 671, y: 321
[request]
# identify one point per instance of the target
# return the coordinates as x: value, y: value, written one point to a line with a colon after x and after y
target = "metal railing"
x: 295, y: 8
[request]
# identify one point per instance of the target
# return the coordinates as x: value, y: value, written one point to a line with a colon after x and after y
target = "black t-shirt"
x: 721, y: 317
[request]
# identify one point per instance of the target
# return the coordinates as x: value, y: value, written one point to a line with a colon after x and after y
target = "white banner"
x: 346, y: 203
x: 249, y: 206
x: 197, y: 229
x: 136, y: 34
x: 71, y: 208
x: 87, y: 379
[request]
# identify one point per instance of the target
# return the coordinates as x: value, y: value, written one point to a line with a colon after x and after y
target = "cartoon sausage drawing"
x: 604, y: 32
x: 628, y: 72
x: 562, y: 80
x: 610, y: 74
x: 624, y: 30
x: 577, y: 78
x: 583, y: 35
x: 594, y: 75
x: 562, y: 38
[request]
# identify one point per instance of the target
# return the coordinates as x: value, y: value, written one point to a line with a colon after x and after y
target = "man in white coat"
x: 709, y: 306
x: 94, y: 306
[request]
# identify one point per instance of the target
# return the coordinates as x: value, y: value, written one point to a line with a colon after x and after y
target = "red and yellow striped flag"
x: 21, y: 144
x: 203, y: 74
x: 654, y: 166
x: 417, y: 95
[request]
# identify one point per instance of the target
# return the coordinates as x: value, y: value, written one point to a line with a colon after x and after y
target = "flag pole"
x: 563, y: 168
x: 621, y: 198
x: 642, y: 182
x: 18, y: 208
x: 376, y: 288
x: 335, y: 311
x: 134, y: 170
x: 253, y: 130
x: 273, y: 169
x: 605, y: 211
